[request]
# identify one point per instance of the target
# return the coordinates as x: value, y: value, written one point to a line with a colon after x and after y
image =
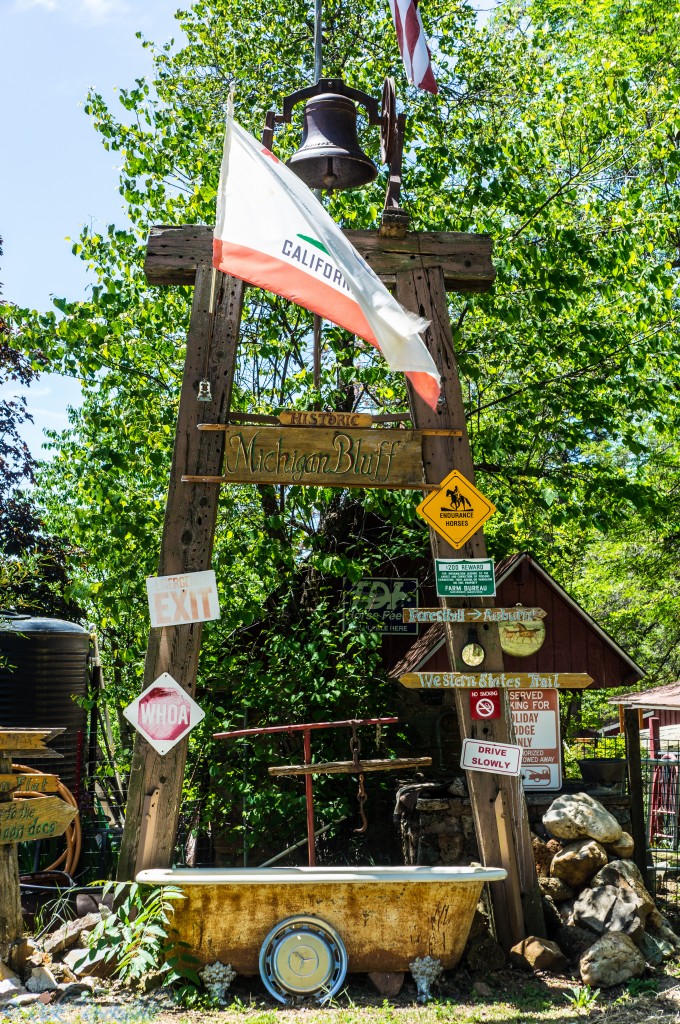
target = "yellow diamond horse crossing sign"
x: 457, y: 510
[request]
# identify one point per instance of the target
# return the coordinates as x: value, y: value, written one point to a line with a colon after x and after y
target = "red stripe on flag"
x: 274, y: 275
x: 412, y: 29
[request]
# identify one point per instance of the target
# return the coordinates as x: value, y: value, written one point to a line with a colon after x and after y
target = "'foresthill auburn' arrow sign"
x: 472, y: 614
x: 495, y: 680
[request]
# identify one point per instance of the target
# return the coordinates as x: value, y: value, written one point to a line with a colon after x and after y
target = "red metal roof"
x: 576, y: 642
x: 659, y: 697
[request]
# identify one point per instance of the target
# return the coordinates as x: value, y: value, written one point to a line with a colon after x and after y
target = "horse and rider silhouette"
x: 458, y: 500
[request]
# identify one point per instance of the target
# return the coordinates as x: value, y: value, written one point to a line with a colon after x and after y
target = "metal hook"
x: 355, y: 748
x: 361, y: 799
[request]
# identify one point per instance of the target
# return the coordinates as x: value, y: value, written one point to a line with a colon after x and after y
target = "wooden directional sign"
x: 31, y: 743
x: 495, y: 680
x: 456, y: 510
x: 321, y: 458
x: 27, y: 739
x: 39, y: 818
x: 518, y: 614
x: 300, y: 418
x: 29, y: 783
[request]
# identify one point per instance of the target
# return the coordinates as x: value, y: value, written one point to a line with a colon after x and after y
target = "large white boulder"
x: 574, y: 815
x: 612, y: 959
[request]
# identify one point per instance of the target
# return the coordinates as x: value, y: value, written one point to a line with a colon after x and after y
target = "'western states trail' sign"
x: 164, y: 713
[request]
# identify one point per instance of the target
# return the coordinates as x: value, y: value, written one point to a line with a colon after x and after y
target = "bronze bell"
x: 330, y: 156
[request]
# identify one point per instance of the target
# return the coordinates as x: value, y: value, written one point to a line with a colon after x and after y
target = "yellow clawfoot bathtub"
x: 385, y: 916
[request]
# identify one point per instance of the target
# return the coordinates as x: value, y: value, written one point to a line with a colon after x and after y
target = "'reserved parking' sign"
x: 536, y: 718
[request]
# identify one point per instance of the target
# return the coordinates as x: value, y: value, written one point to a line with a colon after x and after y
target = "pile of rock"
x: 599, y: 914
x: 50, y: 971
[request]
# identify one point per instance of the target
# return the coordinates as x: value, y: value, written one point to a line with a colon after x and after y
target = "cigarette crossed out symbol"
x: 303, y: 961
x: 485, y: 707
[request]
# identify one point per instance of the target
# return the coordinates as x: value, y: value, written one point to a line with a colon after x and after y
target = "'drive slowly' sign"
x: 486, y: 756
x: 189, y: 597
x: 164, y: 713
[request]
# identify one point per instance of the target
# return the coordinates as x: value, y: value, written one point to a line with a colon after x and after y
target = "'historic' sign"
x: 300, y: 418
x: 188, y: 597
x: 465, y: 577
x: 487, y: 756
x: 323, y: 458
x: 457, y: 510
x: 518, y: 614
x: 495, y: 680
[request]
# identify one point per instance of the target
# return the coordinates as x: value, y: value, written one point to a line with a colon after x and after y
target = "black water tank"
x: 43, y: 666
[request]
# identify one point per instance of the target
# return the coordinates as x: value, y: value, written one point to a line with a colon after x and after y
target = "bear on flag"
x: 272, y: 232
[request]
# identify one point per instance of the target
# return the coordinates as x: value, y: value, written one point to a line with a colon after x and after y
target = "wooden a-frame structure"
x: 421, y: 267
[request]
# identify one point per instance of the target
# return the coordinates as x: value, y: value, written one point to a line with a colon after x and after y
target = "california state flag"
x: 272, y: 232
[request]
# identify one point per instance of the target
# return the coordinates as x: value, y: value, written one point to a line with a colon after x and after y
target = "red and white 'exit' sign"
x: 187, y: 597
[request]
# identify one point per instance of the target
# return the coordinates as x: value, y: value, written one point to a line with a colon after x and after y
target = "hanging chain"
x: 355, y: 750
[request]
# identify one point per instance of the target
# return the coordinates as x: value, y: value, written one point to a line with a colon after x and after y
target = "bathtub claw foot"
x: 426, y: 972
x: 217, y: 978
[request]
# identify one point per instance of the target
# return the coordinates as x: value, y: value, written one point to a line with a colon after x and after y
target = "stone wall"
x: 436, y: 825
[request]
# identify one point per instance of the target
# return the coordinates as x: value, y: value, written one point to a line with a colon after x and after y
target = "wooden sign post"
x: 421, y: 267
x: 183, y: 255
x: 24, y: 819
x: 517, y: 902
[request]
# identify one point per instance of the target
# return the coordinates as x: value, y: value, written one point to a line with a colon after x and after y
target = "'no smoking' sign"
x: 485, y: 704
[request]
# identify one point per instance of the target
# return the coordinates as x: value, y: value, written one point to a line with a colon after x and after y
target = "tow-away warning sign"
x: 487, y: 756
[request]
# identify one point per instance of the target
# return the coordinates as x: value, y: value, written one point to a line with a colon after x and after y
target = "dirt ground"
x: 516, y: 998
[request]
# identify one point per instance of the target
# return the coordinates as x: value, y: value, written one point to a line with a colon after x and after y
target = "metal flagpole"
x: 318, y: 66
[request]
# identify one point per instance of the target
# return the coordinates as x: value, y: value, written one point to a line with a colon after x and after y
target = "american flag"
x: 412, y: 44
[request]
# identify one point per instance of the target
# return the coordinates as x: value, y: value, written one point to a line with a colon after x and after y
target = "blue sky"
x: 55, y: 175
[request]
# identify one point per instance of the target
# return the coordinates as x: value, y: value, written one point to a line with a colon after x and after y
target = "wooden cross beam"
x: 421, y: 268
x: 174, y: 253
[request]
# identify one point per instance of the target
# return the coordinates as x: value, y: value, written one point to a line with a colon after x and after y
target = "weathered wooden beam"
x: 187, y: 545
x: 10, y: 899
x: 424, y: 291
x: 173, y: 253
x: 636, y: 793
x: 349, y: 768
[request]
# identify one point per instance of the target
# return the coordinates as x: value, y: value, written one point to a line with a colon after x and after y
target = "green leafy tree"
x: 556, y: 131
